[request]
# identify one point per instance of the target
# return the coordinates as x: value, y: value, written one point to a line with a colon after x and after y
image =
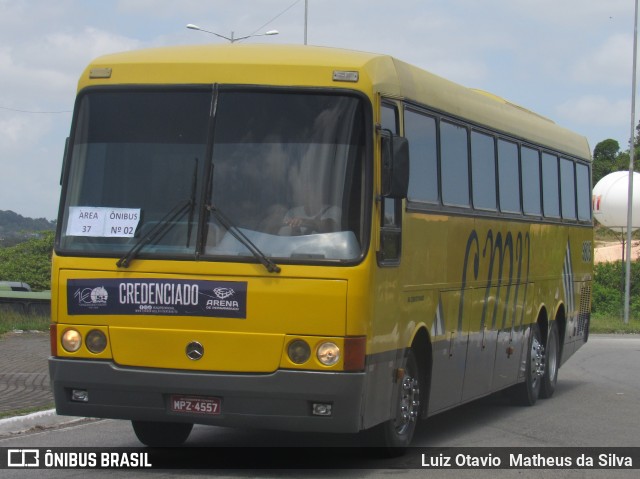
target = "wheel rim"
x: 409, y: 405
x: 537, y: 361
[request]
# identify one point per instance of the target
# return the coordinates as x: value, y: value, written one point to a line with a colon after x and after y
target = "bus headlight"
x: 328, y: 353
x: 299, y: 351
x: 96, y: 341
x: 71, y: 340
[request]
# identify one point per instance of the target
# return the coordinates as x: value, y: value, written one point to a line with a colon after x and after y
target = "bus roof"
x: 298, y: 65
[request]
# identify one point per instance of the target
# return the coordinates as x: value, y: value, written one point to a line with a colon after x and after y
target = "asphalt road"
x: 596, y: 404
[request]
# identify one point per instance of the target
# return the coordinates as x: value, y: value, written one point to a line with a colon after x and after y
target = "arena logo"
x: 223, y: 293
x: 223, y: 301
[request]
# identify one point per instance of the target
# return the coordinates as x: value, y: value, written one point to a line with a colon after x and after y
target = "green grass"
x: 11, y: 321
x: 607, y: 325
x: 25, y: 411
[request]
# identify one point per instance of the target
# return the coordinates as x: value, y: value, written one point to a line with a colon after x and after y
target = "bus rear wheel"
x: 552, y: 358
x: 161, y: 434
x: 526, y: 393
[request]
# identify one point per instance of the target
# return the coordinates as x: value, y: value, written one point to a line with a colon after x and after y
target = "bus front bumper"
x: 281, y: 400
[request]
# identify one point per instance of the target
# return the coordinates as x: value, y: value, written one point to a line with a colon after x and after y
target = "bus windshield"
x: 153, y: 171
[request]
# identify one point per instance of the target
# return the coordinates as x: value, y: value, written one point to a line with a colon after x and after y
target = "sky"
x: 569, y: 60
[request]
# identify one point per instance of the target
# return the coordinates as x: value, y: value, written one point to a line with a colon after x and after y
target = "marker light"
x: 355, y: 351
x: 53, y: 338
x: 299, y: 351
x: 96, y: 341
x: 345, y: 76
x: 328, y: 353
x: 71, y: 340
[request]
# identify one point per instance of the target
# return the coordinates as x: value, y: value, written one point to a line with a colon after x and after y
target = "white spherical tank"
x: 610, y: 197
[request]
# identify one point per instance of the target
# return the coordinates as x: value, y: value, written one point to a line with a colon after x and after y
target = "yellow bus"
x: 309, y: 239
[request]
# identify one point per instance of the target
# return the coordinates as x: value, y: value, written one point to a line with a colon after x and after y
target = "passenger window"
x: 531, y: 181
x: 420, y: 130
x: 454, y: 164
x: 568, y: 181
x: 584, y: 192
x: 550, y: 187
x: 509, y: 176
x: 483, y: 171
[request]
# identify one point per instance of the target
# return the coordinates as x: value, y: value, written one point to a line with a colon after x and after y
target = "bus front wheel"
x: 397, y: 433
x: 161, y: 434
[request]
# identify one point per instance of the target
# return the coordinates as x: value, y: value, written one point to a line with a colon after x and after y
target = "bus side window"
x: 508, y: 177
x: 483, y: 171
x: 531, y: 181
x: 420, y: 130
x: 391, y: 221
x: 583, y: 176
x: 454, y: 164
x: 550, y: 186
x: 568, y: 189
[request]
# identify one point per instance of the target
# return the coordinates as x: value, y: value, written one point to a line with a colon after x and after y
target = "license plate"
x: 196, y: 405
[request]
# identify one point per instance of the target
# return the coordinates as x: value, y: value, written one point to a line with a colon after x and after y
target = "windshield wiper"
x: 159, y: 228
x: 194, y: 186
x: 242, y: 238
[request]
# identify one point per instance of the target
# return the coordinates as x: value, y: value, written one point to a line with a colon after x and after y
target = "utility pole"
x: 627, y: 285
x: 306, y: 17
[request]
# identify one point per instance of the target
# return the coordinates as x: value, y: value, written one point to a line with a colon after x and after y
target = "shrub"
x: 29, y: 262
x: 608, y: 289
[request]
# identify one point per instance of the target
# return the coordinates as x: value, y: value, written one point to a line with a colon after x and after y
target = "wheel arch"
x: 543, y: 322
x: 561, y: 322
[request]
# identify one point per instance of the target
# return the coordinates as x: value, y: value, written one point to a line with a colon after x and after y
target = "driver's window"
x: 391, y: 221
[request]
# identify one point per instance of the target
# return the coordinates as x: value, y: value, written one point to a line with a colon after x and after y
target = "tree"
x: 608, y: 158
x: 29, y: 262
x: 605, y: 159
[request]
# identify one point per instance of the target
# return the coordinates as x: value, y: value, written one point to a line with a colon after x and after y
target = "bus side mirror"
x: 395, y: 165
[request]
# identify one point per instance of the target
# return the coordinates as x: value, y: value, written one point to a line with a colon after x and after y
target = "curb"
x: 37, y: 421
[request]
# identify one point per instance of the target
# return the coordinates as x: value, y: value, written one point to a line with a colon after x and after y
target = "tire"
x: 396, y: 434
x: 552, y: 363
x: 161, y: 434
x: 527, y: 393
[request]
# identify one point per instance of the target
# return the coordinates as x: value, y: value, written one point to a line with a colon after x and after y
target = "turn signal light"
x: 355, y: 352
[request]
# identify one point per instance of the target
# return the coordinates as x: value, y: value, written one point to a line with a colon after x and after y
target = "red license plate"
x: 195, y: 405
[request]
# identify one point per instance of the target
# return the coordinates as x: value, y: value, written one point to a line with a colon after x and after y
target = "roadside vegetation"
x: 29, y: 262
x: 12, y: 321
x: 607, y: 299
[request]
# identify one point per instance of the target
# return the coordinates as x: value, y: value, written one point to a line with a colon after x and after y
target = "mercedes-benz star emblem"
x: 194, y: 350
